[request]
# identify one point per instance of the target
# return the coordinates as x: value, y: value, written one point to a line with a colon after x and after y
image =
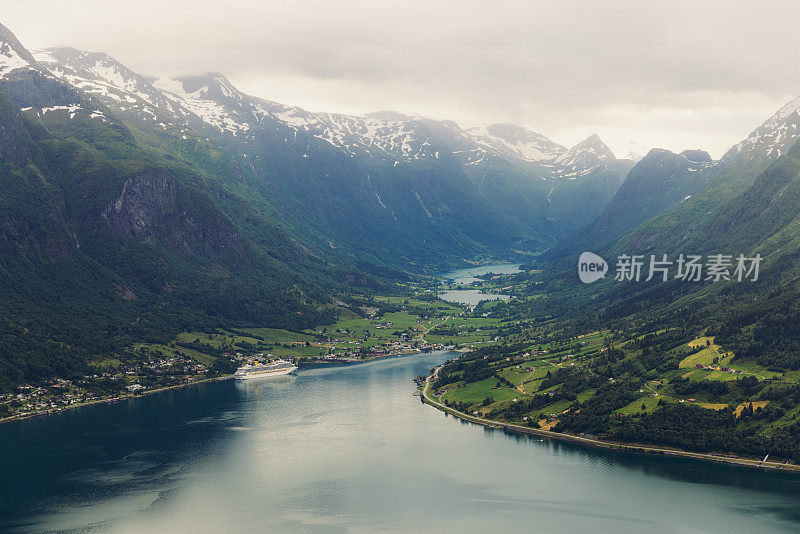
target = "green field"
x: 275, y: 335
x: 478, y: 391
x: 649, y: 401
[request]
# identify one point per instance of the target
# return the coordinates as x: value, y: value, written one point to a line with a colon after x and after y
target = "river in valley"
x: 350, y: 449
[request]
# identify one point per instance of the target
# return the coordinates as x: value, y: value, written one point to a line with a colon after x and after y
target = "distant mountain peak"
x: 68, y: 62
x: 783, y: 113
x: 774, y: 137
x: 13, y: 56
x: 583, y: 158
x: 100, y: 76
x: 593, y: 144
x: 692, y: 159
x: 213, y: 81
x: 697, y: 156
x: 196, y: 102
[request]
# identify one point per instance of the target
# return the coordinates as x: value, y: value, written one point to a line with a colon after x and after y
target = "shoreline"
x: 347, y: 361
x: 64, y: 409
x: 601, y: 444
x: 108, y: 400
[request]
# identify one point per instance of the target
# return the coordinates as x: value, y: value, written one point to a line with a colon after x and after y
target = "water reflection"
x: 471, y: 274
x: 349, y: 449
x: 268, y: 384
x: 669, y: 467
x: 470, y: 297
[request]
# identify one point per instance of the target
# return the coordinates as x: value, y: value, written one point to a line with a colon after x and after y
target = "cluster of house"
x: 247, y: 358
x: 177, y: 363
x: 60, y: 394
x: 720, y: 368
x: 389, y: 348
x: 30, y: 399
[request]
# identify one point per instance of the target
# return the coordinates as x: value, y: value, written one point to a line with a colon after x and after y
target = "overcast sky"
x: 673, y: 74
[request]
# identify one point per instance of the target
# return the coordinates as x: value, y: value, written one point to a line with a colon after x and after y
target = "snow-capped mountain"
x: 102, y: 77
x: 476, y: 144
x: 24, y: 77
x: 371, y: 184
x: 211, y: 101
x: 583, y: 158
x: 389, y: 135
x: 13, y: 56
x: 773, y: 138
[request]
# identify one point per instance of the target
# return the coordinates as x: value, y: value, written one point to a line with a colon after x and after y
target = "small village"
x: 162, y: 369
x: 125, y: 380
x: 412, y: 327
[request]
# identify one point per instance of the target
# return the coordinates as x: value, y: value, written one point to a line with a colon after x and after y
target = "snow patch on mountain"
x: 775, y: 136
x: 70, y: 111
x: 193, y: 103
x: 199, y: 103
x: 509, y: 141
x: 375, y: 135
x: 10, y: 60
x: 583, y: 158
x: 101, y: 76
x: 13, y: 56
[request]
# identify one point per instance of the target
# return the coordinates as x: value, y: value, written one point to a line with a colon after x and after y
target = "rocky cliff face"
x: 147, y: 198
x: 154, y: 207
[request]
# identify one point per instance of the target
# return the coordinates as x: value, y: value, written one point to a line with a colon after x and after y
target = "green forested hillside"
x: 105, y: 242
x: 704, y: 366
x: 661, y: 181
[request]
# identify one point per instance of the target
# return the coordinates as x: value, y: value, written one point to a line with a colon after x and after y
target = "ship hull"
x: 251, y: 376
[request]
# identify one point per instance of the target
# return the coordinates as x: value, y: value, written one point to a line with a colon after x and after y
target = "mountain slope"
x: 392, y: 187
x: 730, y: 177
x: 657, y: 183
x: 105, y: 241
x: 743, y: 204
x: 754, y: 319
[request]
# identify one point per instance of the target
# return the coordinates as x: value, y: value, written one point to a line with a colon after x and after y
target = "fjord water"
x: 350, y: 449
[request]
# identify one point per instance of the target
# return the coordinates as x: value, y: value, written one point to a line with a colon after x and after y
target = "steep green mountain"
x: 658, y: 183
x: 728, y: 178
x: 106, y: 241
x: 667, y: 197
x: 706, y: 366
x: 755, y: 319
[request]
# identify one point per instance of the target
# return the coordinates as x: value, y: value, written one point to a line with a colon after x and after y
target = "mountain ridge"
x: 502, y: 174
x: 198, y: 94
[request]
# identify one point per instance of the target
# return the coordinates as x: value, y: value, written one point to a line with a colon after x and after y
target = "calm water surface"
x: 470, y: 274
x: 469, y: 296
x: 467, y: 276
x: 349, y: 449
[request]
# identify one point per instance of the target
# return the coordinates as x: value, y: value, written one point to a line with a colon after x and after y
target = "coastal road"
x: 595, y: 442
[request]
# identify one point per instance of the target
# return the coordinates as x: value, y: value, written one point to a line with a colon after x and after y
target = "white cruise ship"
x: 260, y: 370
